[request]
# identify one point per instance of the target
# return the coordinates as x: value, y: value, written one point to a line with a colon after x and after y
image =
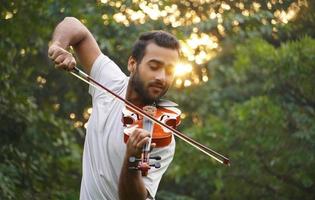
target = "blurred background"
x: 245, y: 86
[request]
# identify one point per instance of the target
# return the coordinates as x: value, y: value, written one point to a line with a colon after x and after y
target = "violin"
x: 159, y: 135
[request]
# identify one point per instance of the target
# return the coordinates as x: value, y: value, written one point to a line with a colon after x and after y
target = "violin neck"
x: 148, y: 126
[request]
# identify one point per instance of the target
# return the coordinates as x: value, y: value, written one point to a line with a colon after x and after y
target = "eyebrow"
x: 157, y: 61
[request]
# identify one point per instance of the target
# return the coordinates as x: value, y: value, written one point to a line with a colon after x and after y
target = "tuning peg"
x: 133, y: 159
x: 156, y: 165
x: 133, y: 168
x: 155, y: 157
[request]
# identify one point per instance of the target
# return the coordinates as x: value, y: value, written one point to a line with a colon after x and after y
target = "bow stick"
x: 89, y: 80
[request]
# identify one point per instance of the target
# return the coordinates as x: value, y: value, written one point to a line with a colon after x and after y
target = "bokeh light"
x: 182, y: 69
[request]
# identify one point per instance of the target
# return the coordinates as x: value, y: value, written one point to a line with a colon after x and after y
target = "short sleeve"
x: 152, y: 180
x: 106, y: 72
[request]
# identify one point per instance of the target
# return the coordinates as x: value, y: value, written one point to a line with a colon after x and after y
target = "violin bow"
x: 89, y: 80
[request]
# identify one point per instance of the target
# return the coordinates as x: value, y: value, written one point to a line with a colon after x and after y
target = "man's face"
x: 152, y: 77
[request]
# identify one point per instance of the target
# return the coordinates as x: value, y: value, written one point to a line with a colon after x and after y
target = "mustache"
x: 158, y: 84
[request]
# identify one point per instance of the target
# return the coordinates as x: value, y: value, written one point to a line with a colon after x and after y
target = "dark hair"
x: 161, y: 38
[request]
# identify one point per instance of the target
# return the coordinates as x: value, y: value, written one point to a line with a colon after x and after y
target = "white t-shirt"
x: 104, y: 147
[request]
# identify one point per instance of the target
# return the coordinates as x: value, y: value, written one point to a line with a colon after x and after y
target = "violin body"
x: 161, y: 136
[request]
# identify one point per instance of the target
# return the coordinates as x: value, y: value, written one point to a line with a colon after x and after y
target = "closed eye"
x: 154, y: 66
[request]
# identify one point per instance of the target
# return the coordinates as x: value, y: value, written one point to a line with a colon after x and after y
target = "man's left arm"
x: 131, y: 185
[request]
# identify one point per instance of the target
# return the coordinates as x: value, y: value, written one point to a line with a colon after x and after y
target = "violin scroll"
x: 144, y: 167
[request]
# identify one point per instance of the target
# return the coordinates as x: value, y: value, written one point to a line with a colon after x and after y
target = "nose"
x: 161, y: 75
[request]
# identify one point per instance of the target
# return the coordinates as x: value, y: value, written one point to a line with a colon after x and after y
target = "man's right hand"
x: 71, y: 32
x: 62, y: 58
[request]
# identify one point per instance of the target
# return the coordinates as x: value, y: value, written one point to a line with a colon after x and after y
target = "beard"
x: 139, y: 86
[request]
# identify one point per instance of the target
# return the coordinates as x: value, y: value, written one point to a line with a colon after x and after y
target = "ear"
x: 132, y: 64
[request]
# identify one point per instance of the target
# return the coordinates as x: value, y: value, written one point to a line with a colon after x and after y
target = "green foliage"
x: 35, y: 147
x: 268, y: 132
x: 40, y: 157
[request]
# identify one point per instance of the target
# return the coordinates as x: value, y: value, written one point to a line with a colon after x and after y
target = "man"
x: 105, y: 159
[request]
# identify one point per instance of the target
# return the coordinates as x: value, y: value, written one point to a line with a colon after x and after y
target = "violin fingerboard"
x: 147, y: 125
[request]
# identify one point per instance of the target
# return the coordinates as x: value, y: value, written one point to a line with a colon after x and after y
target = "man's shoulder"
x: 166, y: 103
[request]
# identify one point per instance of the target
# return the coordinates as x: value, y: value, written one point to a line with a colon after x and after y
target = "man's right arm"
x: 71, y: 32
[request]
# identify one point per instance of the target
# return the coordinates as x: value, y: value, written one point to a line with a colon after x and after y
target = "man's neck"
x: 133, y: 96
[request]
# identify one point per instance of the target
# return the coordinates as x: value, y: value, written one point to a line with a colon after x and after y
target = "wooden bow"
x: 213, y: 154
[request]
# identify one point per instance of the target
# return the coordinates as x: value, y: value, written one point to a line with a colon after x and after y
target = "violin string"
x: 87, y: 79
